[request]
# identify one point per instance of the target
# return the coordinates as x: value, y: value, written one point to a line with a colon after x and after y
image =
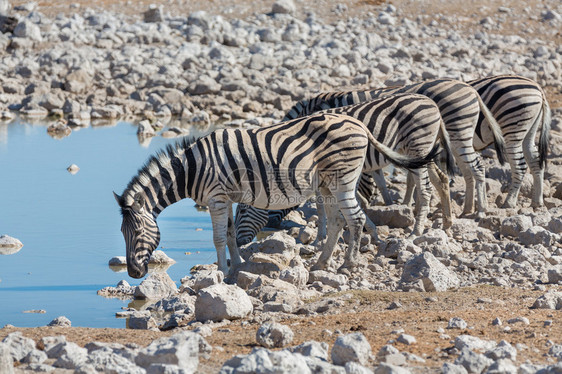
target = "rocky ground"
x: 483, y: 297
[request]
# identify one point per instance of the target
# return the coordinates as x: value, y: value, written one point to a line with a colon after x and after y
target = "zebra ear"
x: 118, y: 199
x: 138, y: 202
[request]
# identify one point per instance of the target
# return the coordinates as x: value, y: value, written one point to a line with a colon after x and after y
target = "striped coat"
x: 271, y: 168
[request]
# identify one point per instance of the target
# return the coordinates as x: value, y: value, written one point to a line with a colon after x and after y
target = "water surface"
x: 70, y: 224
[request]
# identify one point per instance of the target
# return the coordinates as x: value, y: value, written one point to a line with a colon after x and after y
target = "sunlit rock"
x: 9, y: 245
x: 73, y: 169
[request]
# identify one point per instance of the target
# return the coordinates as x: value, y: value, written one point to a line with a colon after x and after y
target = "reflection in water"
x: 70, y: 223
x: 9, y: 250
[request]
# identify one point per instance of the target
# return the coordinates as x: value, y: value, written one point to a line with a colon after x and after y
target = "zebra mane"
x: 143, y: 176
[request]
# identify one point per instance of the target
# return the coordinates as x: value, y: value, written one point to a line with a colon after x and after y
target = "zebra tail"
x: 446, y: 144
x: 398, y: 159
x: 545, y: 132
x: 499, y: 142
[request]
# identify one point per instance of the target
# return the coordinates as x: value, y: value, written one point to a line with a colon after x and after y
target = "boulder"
x: 431, y: 272
x: 153, y: 14
x: 473, y: 362
x: 70, y: 356
x: 6, y: 360
x: 473, y: 343
x: 512, y: 226
x: 537, y: 235
x: 351, y: 347
x: 51, y: 345
x: 327, y: 278
x: 181, y: 349
x: 394, y: 216
x: 262, y: 361
x: 107, y: 361
x: 274, y: 335
x: 61, y: 321
x: 555, y: 274
x: 9, y: 245
x: 35, y: 357
x: 385, y: 368
x: 142, y: 321
x: 18, y: 345
x: 79, y: 81
x: 283, y: 7
x: 222, y: 301
x: 27, y: 29
x: 156, y: 286
x: 312, y: 349
x: 550, y: 300
x: 158, y: 257
x: 206, y: 278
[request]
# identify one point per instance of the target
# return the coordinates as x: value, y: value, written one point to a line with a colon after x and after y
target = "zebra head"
x: 141, y: 233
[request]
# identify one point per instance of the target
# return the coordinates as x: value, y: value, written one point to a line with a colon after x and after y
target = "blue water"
x: 70, y: 224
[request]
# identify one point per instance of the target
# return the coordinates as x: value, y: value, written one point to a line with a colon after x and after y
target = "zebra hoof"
x: 344, y: 270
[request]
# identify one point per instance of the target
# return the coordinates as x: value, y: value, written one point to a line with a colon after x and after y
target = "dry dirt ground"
x: 421, y: 315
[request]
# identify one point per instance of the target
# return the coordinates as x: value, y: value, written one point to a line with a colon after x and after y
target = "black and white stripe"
x: 269, y: 168
x: 410, y: 124
x: 520, y: 107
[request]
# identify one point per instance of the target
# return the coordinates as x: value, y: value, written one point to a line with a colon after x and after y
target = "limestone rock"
x: 274, y: 335
x: 181, y: 349
x: 351, y: 347
x: 433, y: 274
x: 156, y: 286
x: 222, y: 301
x: 61, y: 321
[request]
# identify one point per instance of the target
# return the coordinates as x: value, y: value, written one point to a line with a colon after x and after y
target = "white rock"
x: 283, y: 6
x: 264, y: 361
x: 327, y: 278
x: 355, y: 368
x: 449, y: 368
x: 156, y: 286
x: 206, y: 278
x: 312, y: 349
x: 274, y: 335
x: 385, y: 368
x: 27, y: 29
x: 222, y: 301
x: 142, y: 321
x: 180, y: 349
x: 434, y: 275
x: 60, y: 321
x: 406, y: 339
x: 19, y: 345
x: 51, y: 345
x: 158, y: 257
x: 9, y: 245
x: 457, y: 323
x: 473, y: 343
x: 107, y: 361
x: 6, y: 360
x: 351, y: 347
x: 512, y: 226
x: 550, y: 300
x: 503, y: 350
x: 35, y: 357
x: 70, y: 356
x: 73, y: 169
x: 473, y: 362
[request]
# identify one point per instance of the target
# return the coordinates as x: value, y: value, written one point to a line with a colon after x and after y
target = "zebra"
x: 408, y: 123
x: 249, y: 220
x: 269, y: 168
x: 520, y: 107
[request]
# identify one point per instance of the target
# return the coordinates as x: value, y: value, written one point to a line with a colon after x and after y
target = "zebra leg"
x: 322, y: 222
x: 518, y: 167
x: 235, y: 258
x: 335, y: 228
x: 441, y: 183
x: 219, y: 217
x: 378, y: 176
x: 410, y: 184
x: 421, y: 178
x: 369, y: 225
x: 355, y: 219
x: 532, y: 157
x: 474, y: 175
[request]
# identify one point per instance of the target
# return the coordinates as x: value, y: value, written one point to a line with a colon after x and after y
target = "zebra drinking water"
x: 270, y: 168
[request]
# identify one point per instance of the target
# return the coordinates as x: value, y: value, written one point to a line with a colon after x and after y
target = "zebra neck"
x: 157, y: 182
